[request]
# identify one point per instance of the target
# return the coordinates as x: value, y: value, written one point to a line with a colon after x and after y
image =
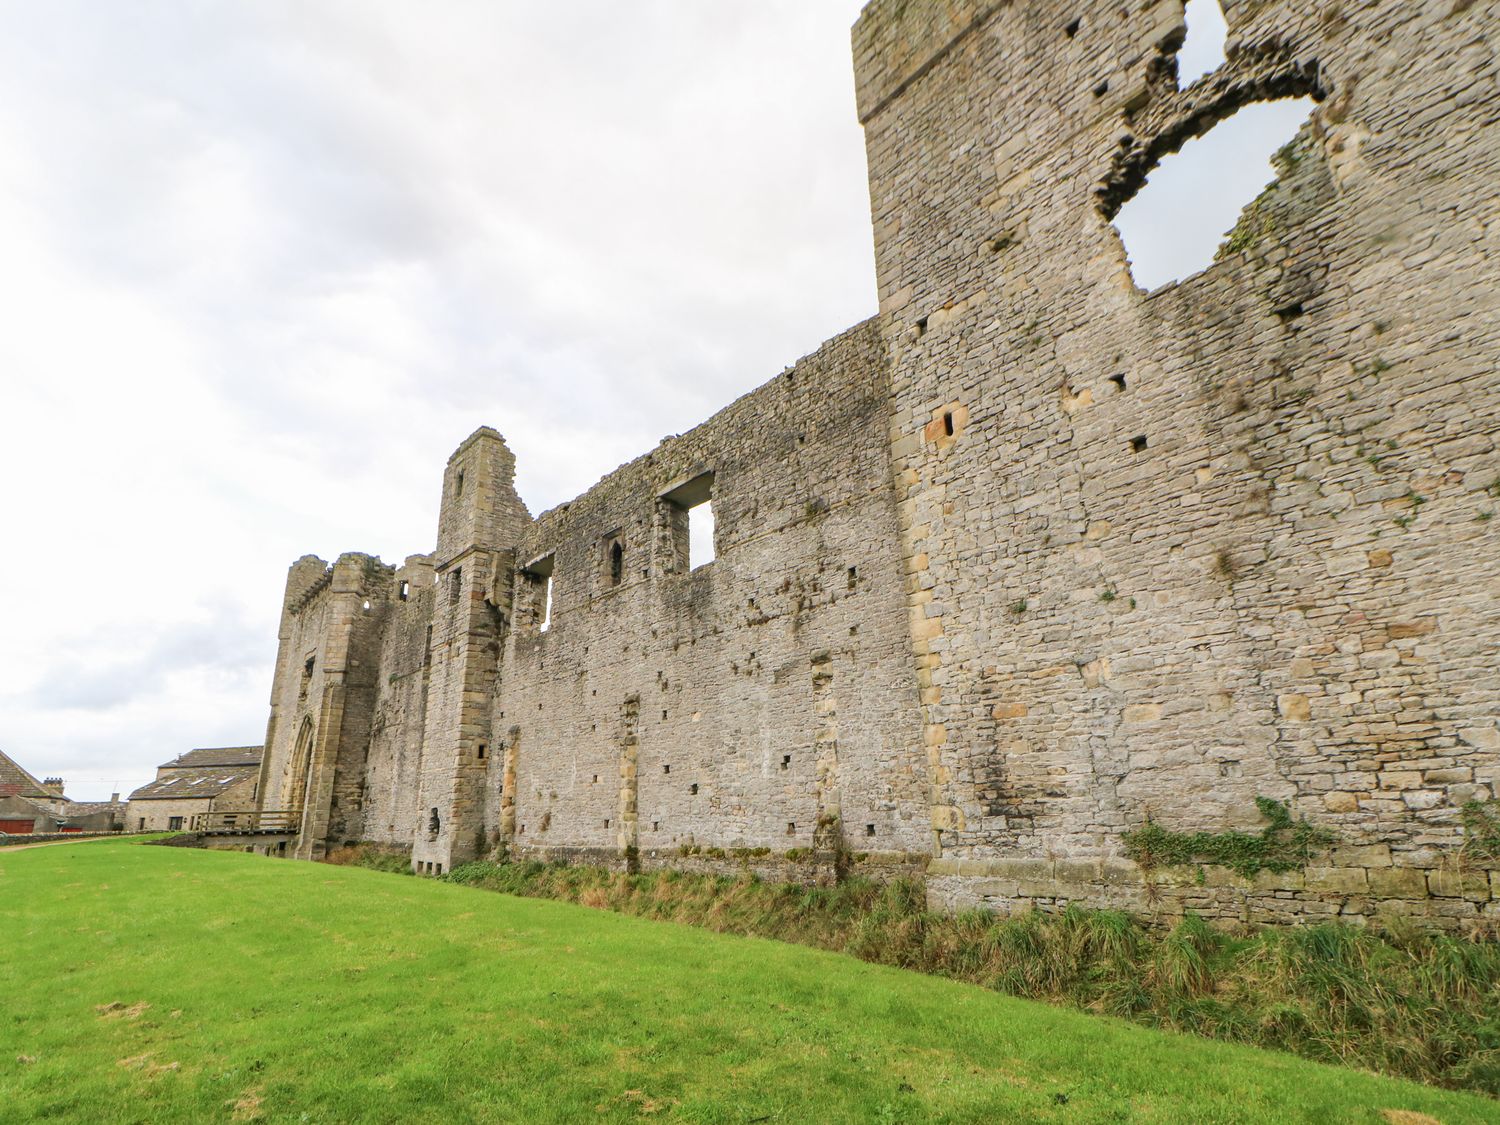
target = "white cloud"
x: 266, y: 265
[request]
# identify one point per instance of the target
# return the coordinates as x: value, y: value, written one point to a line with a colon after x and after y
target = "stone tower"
x: 482, y: 519
x: 1167, y: 552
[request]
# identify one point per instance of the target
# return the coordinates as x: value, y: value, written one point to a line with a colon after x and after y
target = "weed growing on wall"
x: 1481, y: 821
x: 1284, y: 845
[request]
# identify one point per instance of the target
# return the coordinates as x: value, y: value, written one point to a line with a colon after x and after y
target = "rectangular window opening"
x: 614, y: 559
x: 483, y: 749
x: 405, y: 591
x: 538, y: 574
x: 690, y: 519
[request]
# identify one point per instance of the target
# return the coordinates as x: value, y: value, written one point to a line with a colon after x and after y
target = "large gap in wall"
x: 1203, y: 51
x: 1174, y: 226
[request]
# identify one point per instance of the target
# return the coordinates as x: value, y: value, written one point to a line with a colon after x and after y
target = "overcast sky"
x: 266, y: 264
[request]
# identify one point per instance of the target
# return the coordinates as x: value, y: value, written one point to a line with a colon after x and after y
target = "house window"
x: 174, y: 824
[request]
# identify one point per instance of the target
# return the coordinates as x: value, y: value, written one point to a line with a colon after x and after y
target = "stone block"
x: 1398, y: 882
x: 1337, y: 880
x: 1341, y: 802
x: 1471, y: 885
x: 1294, y: 708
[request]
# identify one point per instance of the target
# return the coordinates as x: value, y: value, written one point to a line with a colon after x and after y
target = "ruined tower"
x: 482, y: 519
x: 1168, y: 552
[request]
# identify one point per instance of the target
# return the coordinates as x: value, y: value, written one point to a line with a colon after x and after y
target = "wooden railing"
x: 252, y: 822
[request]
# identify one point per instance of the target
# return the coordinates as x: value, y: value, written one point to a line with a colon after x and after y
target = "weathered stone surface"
x: 1033, y: 555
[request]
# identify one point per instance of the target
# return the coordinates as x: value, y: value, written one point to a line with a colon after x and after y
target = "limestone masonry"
x: 1031, y: 558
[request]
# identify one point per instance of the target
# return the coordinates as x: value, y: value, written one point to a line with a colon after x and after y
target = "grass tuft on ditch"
x: 149, y: 984
x: 1402, y: 1002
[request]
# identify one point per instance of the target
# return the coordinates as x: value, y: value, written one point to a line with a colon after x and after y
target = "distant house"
x: 31, y: 807
x: 215, y: 780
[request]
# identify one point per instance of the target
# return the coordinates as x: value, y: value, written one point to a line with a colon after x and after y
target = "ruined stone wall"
x: 1036, y: 557
x: 735, y: 705
x: 323, y: 695
x: 395, y: 755
x: 1168, y: 552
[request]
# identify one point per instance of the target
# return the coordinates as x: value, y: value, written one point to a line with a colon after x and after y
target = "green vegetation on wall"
x: 1284, y: 845
x: 1481, y: 821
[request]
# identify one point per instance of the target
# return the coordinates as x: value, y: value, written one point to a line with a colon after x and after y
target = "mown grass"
x: 149, y: 984
x: 1401, y: 1002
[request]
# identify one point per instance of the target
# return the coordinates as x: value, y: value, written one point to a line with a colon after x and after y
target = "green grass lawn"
x: 163, y: 984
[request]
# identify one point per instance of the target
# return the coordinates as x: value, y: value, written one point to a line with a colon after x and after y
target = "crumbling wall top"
x: 896, y: 41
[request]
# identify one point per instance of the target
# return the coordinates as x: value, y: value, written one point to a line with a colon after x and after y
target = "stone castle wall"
x: 739, y: 703
x: 1226, y: 539
x: 1033, y: 557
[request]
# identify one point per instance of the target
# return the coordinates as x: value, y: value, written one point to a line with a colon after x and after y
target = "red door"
x: 17, y: 827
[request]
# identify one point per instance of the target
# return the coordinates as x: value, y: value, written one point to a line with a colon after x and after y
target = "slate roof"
x: 202, y: 783
x: 89, y: 808
x: 16, y: 781
x: 216, y: 756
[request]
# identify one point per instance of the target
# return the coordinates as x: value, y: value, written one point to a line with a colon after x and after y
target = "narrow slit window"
x: 616, y: 562
x: 405, y: 591
x: 948, y: 422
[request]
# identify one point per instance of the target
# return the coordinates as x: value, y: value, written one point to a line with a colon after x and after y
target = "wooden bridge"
x: 252, y: 822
